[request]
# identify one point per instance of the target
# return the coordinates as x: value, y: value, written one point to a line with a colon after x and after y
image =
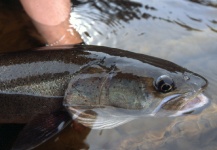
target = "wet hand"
x: 51, y: 19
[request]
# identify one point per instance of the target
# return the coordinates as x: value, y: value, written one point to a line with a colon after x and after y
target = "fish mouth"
x: 180, y: 104
x: 192, y: 105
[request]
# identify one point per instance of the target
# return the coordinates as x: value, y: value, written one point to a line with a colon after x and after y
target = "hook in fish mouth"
x: 188, y: 104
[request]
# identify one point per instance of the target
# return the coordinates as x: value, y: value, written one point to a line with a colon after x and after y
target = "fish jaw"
x: 188, y: 105
x: 191, y: 105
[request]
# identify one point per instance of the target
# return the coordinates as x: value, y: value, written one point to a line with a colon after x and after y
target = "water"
x: 182, y: 31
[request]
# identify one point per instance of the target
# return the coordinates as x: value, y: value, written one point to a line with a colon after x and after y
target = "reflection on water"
x: 183, y: 31
x: 149, y: 24
x: 212, y: 3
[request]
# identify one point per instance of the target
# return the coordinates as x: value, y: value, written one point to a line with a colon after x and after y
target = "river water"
x: 182, y: 31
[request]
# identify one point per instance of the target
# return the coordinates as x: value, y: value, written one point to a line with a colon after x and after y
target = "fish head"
x: 178, y: 93
x: 131, y: 88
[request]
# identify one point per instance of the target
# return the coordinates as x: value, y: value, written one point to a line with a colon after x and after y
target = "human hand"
x: 51, y: 18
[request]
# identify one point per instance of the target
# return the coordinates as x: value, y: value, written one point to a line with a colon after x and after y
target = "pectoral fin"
x: 40, y: 129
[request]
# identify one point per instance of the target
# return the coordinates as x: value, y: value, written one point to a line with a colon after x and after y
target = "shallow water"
x: 182, y: 31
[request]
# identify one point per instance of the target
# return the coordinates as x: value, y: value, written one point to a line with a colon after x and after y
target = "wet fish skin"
x: 20, y: 108
x: 126, y: 80
x: 37, y: 81
x: 46, y: 74
x: 35, y: 78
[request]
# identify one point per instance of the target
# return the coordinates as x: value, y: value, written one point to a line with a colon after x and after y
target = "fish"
x: 99, y: 87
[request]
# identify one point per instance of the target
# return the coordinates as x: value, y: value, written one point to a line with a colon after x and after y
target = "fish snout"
x: 197, y: 82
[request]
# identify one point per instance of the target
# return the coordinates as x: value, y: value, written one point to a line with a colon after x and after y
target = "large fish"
x: 99, y: 87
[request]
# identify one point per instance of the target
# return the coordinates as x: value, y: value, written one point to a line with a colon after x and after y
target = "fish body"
x: 100, y: 87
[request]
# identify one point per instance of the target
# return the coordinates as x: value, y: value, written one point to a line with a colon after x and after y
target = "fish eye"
x: 164, y: 84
